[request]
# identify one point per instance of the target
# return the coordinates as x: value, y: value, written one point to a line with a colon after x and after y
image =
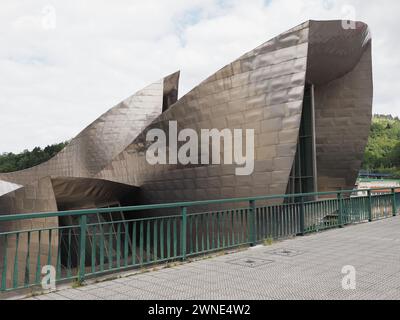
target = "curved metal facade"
x: 262, y: 90
x: 92, y: 149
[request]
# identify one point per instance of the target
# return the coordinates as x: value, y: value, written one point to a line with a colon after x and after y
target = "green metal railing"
x: 94, y: 245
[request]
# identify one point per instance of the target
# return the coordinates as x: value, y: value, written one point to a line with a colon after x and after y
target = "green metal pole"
x: 340, y: 218
x: 184, y: 232
x: 82, y: 247
x: 5, y: 266
x: 394, y: 202
x: 302, y: 217
x: 252, y: 221
x: 370, y: 206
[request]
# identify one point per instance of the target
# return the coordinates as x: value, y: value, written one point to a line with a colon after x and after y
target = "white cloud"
x: 55, y: 81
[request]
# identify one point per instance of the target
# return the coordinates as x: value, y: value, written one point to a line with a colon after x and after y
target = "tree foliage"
x: 383, y: 150
x: 10, y: 162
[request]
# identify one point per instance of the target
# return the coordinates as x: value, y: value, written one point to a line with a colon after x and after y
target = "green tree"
x: 382, y: 153
x: 10, y: 162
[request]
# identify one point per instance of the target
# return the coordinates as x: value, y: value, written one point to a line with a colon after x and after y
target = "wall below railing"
x: 101, y: 243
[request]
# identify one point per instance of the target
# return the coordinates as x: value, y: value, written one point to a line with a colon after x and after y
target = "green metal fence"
x: 95, y: 245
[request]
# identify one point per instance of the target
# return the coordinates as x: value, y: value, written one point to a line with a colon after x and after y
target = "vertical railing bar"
x: 15, y: 271
x: 203, y: 231
x: 94, y: 247
x: 82, y: 247
x: 155, y: 240
x: 58, y: 269
x: 284, y: 220
x: 102, y: 240
x: 49, y: 251
x: 302, y: 217
x: 340, y: 217
x: 238, y: 227
x: 217, y: 228
x: 169, y: 231
x: 252, y: 222
x: 223, y: 228
x: 162, y: 222
x: 141, y: 244
x: 184, y: 232
x: 118, y: 253
x: 134, y: 241
x: 208, y: 228
x: 126, y: 244
x: 38, y: 262
x: 69, y: 262
x: 110, y: 246
x: 28, y: 261
x: 175, y: 238
x: 148, y: 241
x: 233, y: 227
x: 189, y: 242
x: 369, y: 206
x: 5, y: 265
x: 197, y: 231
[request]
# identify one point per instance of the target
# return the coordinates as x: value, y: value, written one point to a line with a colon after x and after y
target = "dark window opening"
x: 302, y: 177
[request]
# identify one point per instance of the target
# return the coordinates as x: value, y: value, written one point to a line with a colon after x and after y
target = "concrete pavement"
x: 307, y: 267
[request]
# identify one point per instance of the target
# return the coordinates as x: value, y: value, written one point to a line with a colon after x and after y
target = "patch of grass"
x: 33, y: 294
x: 268, y: 242
x: 219, y: 254
x: 77, y: 284
x: 144, y: 270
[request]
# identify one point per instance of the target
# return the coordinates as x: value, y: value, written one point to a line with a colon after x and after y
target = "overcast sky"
x: 64, y: 63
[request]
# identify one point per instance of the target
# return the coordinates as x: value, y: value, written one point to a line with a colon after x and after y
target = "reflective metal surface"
x: 6, y: 187
x: 105, y: 138
x: 262, y: 90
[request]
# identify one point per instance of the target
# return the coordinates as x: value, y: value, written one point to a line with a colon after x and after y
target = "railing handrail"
x: 85, y: 212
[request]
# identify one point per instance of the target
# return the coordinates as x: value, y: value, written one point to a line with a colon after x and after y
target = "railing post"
x: 302, y: 217
x: 82, y: 247
x: 252, y: 223
x: 370, y: 206
x: 184, y: 232
x: 340, y: 217
x: 394, y: 202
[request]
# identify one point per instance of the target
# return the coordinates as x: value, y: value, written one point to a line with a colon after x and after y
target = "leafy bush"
x: 383, y: 150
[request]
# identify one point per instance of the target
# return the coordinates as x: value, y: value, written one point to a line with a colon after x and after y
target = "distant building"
x: 376, y: 183
x: 374, y: 175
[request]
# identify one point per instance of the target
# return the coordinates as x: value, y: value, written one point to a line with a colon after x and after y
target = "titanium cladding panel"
x: 262, y: 90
